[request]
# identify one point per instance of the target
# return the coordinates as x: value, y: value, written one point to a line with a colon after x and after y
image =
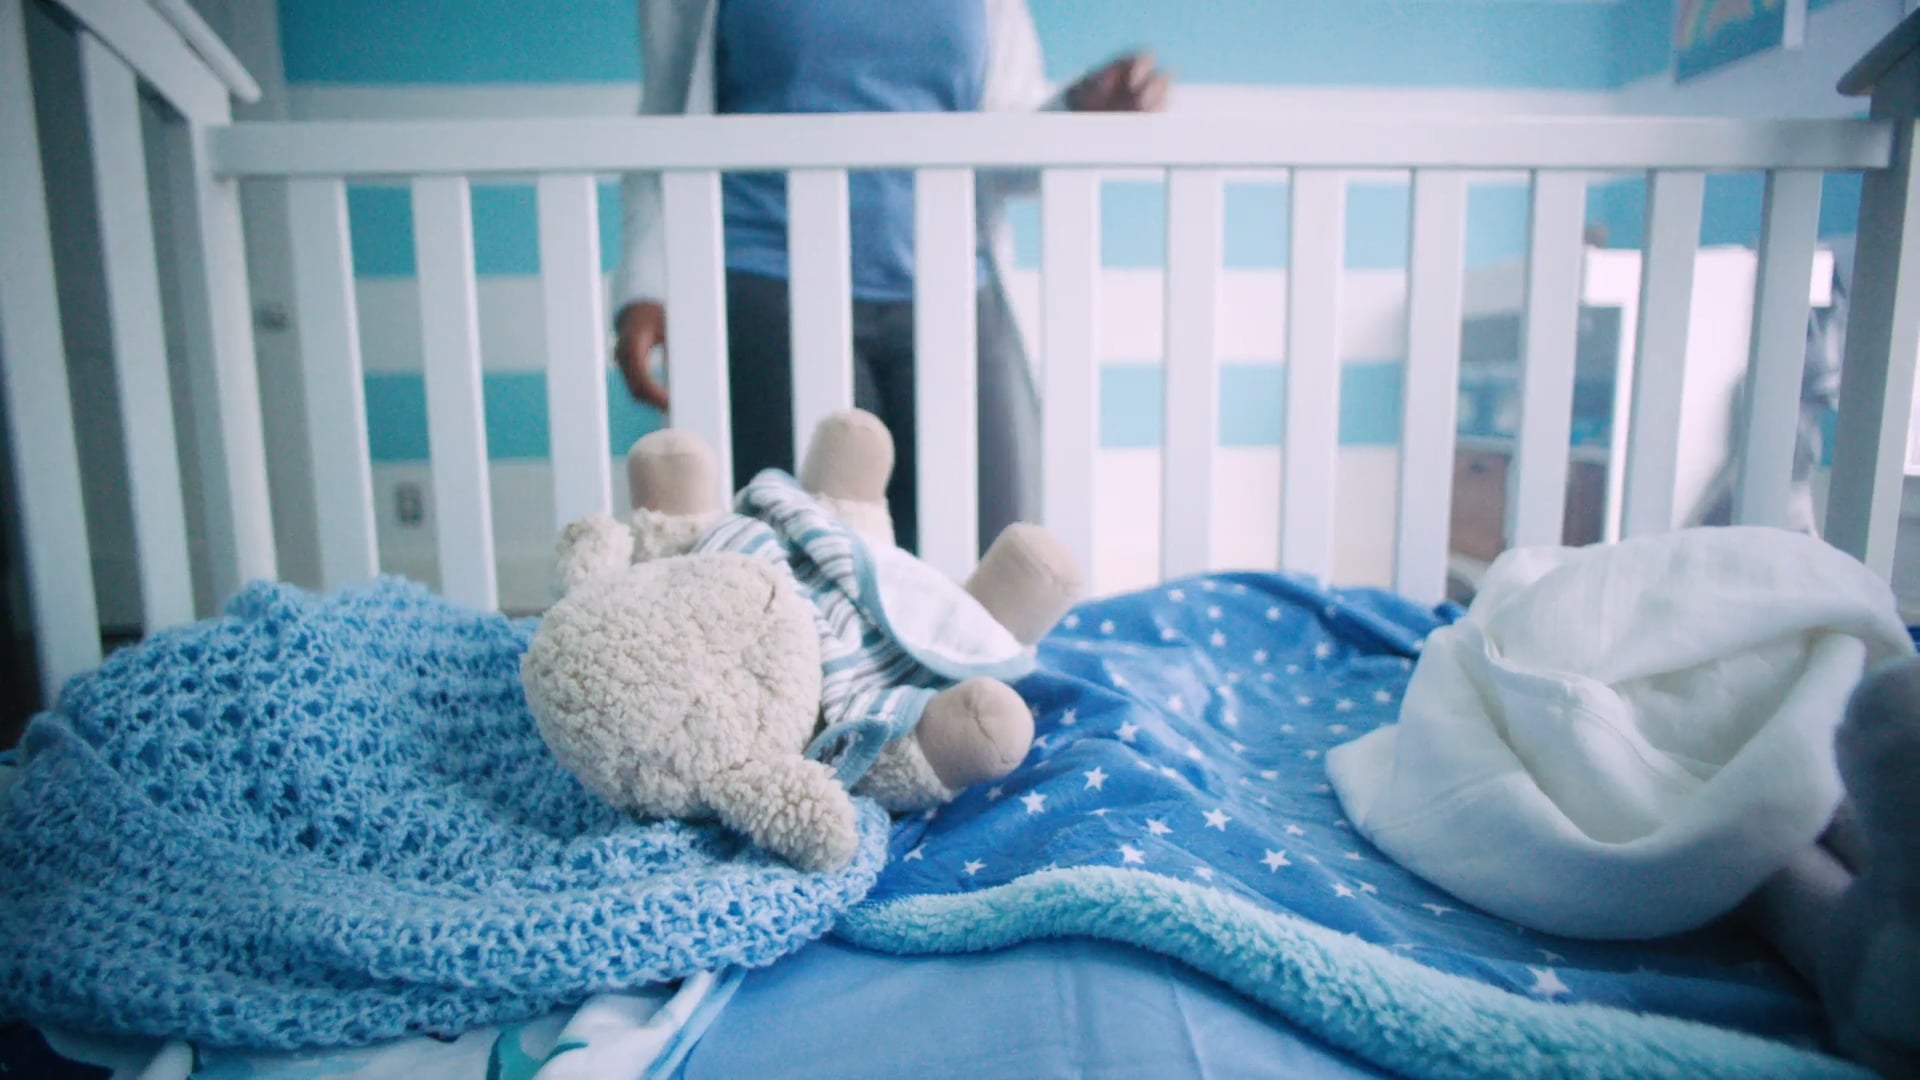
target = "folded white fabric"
x: 1622, y: 741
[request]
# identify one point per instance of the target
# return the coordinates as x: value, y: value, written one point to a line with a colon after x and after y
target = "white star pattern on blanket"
x: 1164, y: 759
x: 1547, y: 984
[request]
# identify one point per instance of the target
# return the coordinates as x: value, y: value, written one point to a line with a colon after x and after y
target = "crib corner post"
x: 1883, y: 331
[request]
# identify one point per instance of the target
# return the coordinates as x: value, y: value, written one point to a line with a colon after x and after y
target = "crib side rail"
x: 127, y: 51
x: 1067, y: 152
x: 1558, y: 154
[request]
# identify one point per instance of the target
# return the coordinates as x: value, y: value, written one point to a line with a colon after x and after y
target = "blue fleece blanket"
x: 331, y: 821
x: 1176, y: 799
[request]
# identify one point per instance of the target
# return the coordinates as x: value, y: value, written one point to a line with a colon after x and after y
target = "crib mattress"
x: 1076, y: 1007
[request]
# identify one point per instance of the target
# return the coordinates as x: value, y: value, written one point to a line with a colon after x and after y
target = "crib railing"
x: 564, y: 156
x: 127, y: 49
x: 1194, y: 154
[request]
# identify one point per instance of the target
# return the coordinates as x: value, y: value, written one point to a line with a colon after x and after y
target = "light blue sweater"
x: 843, y: 56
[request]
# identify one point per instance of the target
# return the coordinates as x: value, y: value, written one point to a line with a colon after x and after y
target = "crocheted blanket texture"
x: 325, y: 821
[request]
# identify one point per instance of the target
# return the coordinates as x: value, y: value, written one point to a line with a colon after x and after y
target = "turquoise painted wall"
x: 1510, y: 44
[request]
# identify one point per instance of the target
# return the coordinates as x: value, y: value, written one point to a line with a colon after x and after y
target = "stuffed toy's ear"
x: 592, y: 546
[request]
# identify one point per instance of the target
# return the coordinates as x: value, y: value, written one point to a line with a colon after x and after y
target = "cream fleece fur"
x: 729, y: 658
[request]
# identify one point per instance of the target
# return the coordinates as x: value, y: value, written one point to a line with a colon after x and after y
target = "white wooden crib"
x: 219, y: 489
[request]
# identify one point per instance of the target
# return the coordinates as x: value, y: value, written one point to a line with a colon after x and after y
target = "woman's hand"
x: 1129, y: 84
x: 642, y: 326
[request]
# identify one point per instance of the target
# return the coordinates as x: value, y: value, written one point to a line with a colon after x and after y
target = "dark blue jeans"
x: 760, y: 374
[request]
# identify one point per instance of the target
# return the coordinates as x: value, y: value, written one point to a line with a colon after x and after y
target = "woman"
x: 786, y: 56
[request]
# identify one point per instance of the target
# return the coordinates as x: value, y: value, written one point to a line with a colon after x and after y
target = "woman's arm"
x: 1017, y: 82
x: 664, y: 61
x: 669, y: 36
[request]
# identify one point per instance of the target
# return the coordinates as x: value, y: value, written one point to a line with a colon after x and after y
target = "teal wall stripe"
x: 1730, y: 213
x: 1523, y: 43
x: 460, y: 41
x: 516, y: 416
x: 396, y: 418
x: 1252, y: 402
x: 1132, y: 226
x: 1514, y: 43
x: 506, y: 229
x: 1133, y: 223
x: 1379, y: 223
x: 1642, y: 42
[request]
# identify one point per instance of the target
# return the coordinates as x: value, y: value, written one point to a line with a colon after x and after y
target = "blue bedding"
x: 1176, y: 800
x: 1070, y: 1008
x: 327, y: 821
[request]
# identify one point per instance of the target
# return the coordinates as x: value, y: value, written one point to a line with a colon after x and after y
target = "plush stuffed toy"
x: 1846, y: 912
x: 753, y: 666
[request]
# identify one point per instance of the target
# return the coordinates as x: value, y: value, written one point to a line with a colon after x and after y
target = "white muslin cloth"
x: 1623, y: 741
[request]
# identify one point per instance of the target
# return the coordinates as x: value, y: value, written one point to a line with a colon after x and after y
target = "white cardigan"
x: 676, y: 56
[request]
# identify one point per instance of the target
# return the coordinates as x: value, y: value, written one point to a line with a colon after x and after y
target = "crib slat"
x: 130, y: 272
x: 697, y: 315
x: 224, y: 383
x: 1865, y: 496
x: 946, y: 366
x: 456, y: 415
x: 576, y: 346
x: 1309, y: 454
x: 822, y: 299
x: 1537, y: 497
x: 33, y: 365
x: 1789, y: 228
x: 1070, y: 310
x: 329, y: 340
x: 1429, y: 395
x: 1195, y: 200
x: 1660, y: 350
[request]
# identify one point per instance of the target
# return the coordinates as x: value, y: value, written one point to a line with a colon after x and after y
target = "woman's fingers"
x: 642, y: 327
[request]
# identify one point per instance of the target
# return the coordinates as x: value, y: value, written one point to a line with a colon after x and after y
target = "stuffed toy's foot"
x: 1846, y: 912
x: 790, y: 806
x: 673, y: 478
x: 1870, y: 973
x: 1027, y: 581
x: 847, y: 467
x: 976, y: 731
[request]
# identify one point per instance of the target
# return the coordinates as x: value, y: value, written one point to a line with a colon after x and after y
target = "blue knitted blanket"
x: 330, y: 821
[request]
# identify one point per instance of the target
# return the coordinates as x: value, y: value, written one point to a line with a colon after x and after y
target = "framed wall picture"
x: 1711, y: 34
